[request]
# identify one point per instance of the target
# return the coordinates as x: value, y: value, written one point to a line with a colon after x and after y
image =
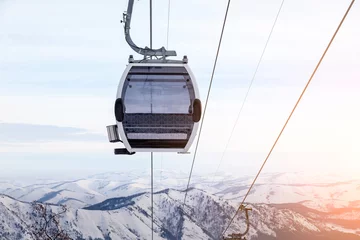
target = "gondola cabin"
x: 157, y: 107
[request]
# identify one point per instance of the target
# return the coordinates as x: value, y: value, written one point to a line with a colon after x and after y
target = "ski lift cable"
x: 150, y: 24
x: 167, y: 46
x: 248, y: 90
x: 207, y: 99
x: 291, y: 113
x: 152, y: 155
x: 168, y: 26
x: 206, y: 103
x: 152, y: 195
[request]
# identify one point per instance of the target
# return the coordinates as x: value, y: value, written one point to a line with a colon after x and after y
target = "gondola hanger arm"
x: 147, y: 52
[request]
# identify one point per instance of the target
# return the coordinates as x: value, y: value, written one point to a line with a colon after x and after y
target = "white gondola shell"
x: 157, y: 107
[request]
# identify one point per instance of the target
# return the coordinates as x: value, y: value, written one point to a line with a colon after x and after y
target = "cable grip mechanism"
x: 241, y: 236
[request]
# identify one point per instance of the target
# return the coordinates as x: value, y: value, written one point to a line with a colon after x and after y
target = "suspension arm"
x: 142, y: 51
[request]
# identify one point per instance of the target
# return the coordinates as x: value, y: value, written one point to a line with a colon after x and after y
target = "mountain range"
x: 117, y: 206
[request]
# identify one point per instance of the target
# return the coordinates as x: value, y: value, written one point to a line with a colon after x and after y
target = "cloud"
x: 29, y: 133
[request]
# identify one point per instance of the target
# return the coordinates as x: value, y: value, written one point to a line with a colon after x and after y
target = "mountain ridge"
x: 204, y: 217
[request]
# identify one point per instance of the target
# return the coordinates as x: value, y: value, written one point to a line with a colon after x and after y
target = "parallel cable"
x: 167, y: 46
x: 152, y: 162
x: 207, y: 98
x: 205, y: 107
x: 168, y: 27
x: 291, y: 113
x: 150, y: 24
x: 161, y: 167
x: 152, y: 196
x: 249, y: 88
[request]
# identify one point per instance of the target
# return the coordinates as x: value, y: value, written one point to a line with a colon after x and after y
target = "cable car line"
x: 150, y: 24
x: 167, y: 46
x: 248, y: 90
x: 151, y: 154
x: 205, y: 107
x: 168, y: 26
x: 291, y: 113
x: 207, y: 99
x: 152, y: 195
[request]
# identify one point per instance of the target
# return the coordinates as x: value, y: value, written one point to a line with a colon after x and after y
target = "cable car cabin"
x: 157, y: 108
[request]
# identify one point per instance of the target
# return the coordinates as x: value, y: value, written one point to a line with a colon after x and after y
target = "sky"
x: 61, y: 62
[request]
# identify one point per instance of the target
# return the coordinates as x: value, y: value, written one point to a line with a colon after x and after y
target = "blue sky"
x: 61, y: 61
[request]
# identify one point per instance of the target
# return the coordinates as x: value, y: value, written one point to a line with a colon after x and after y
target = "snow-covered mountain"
x: 204, y: 216
x: 320, y: 192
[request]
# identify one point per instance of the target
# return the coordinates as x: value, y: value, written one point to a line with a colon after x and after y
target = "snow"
x: 205, y: 217
x: 321, y: 192
x: 206, y: 209
x: 342, y: 229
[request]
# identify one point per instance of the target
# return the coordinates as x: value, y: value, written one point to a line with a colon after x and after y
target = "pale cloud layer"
x: 29, y: 133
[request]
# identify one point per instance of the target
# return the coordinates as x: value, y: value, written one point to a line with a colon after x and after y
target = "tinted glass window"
x: 158, y: 90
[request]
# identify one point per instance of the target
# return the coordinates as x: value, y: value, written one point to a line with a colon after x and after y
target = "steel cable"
x: 291, y: 113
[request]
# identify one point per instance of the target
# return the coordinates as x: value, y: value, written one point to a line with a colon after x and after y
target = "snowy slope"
x: 203, y: 217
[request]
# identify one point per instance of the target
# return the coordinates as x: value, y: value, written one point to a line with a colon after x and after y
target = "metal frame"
x: 120, y: 125
x: 241, y: 236
x: 147, y: 52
